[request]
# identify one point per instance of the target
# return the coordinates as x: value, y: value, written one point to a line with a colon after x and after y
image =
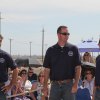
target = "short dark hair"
x: 1, y: 36
x: 30, y: 68
x: 23, y: 70
x: 60, y: 27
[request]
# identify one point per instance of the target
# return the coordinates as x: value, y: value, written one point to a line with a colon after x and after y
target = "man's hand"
x: 74, y: 88
x: 6, y: 88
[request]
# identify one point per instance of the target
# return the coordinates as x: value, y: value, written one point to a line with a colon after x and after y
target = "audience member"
x: 32, y: 77
x: 89, y: 81
x: 87, y: 57
x: 39, y: 85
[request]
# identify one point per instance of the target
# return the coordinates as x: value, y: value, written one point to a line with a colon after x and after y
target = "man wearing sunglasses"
x: 6, y: 62
x: 63, y: 65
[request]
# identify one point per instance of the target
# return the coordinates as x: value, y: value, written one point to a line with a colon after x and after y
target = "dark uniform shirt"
x: 62, y: 61
x: 5, y: 63
x: 97, y: 72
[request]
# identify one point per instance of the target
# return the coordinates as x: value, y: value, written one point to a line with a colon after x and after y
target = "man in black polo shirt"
x: 5, y: 63
x: 97, y: 77
x: 63, y: 66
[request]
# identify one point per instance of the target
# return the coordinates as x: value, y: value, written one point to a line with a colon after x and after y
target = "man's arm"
x: 46, y: 77
x: 14, y: 77
x: 77, y: 77
x: 13, y: 81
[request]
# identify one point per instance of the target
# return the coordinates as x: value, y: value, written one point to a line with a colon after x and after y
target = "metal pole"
x: 42, y: 44
x: 10, y: 45
x: 30, y: 49
x: 0, y: 22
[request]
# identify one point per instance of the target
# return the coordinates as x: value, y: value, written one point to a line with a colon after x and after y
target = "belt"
x: 62, y: 81
x: 98, y: 87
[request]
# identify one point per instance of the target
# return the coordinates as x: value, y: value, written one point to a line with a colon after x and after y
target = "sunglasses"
x: 65, y: 33
x: 41, y: 76
x: 30, y: 72
x: 86, y: 55
x: 24, y: 73
x: 88, y: 73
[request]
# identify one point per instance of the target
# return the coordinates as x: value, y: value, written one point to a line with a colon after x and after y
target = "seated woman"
x: 89, y: 81
x: 20, y: 85
x: 39, y: 85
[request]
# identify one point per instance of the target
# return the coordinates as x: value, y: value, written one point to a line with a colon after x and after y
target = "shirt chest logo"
x: 2, y: 60
x: 70, y: 53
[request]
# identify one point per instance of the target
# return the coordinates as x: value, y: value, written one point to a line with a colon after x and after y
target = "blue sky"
x: 23, y: 21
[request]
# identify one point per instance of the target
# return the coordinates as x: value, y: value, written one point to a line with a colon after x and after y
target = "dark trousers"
x: 2, y: 94
x: 97, y: 94
x: 61, y: 91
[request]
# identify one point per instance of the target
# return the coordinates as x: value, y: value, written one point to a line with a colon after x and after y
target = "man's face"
x: 30, y: 72
x: 63, y: 35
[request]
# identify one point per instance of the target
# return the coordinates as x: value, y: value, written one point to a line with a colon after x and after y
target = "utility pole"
x: 30, y: 48
x: 42, y: 44
x: 10, y: 45
x: 0, y: 22
x: 1, y: 38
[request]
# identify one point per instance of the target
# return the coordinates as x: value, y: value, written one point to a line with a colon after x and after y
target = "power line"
x: 30, y: 48
x: 42, y: 44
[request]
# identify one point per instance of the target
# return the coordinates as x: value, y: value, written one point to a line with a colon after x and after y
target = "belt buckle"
x: 68, y: 80
x: 64, y: 81
x: 60, y: 82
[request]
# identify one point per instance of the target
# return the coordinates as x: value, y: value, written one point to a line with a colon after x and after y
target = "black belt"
x: 62, y: 81
x: 98, y: 87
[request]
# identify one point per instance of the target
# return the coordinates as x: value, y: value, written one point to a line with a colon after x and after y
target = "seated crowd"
x: 32, y: 83
x: 28, y: 87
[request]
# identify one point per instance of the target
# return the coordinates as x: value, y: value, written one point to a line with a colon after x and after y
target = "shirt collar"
x: 58, y: 46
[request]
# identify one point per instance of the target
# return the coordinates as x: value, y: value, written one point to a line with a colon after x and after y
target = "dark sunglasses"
x: 24, y: 73
x: 41, y: 76
x: 65, y: 33
x: 86, y: 55
x: 30, y: 72
x: 88, y: 73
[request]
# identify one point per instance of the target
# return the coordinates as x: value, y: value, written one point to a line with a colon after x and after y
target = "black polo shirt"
x: 97, y: 72
x: 5, y: 62
x: 62, y: 61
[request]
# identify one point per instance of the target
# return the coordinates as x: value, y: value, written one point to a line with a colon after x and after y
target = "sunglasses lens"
x: 88, y: 73
x: 30, y: 72
x: 65, y: 33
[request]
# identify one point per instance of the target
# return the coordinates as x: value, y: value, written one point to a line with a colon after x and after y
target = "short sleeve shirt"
x: 5, y: 62
x: 97, y: 71
x: 62, y: 61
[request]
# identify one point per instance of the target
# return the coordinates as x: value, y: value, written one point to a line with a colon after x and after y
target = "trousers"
x: 97, y: 94
x: 61, y: 91
x: 2, y: 94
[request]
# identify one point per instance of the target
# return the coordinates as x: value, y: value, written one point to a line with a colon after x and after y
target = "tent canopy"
x: 33, y: 62
x: 88, y: 46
